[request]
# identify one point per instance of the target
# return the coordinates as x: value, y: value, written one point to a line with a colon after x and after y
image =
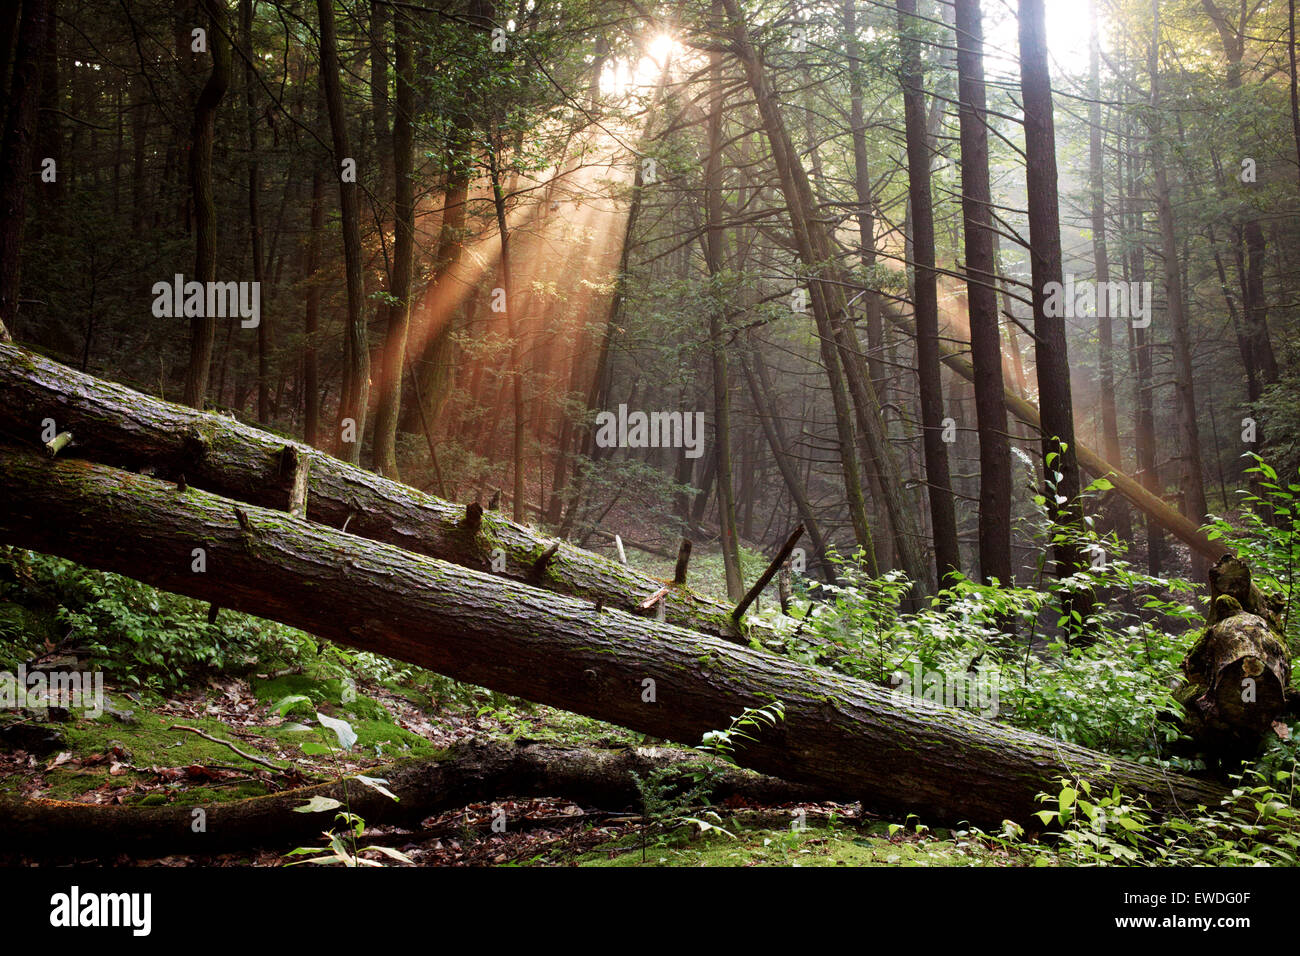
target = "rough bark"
x: 925, y: 302
x: 356, y: 385
x: 1060, y: 451
x: 204, y: 329
x: 893, y: 753
x: 19, y: 137
x: 118, y: 426
x: 982, y: 302
x: 399, y: 311
x: 1238, y: 672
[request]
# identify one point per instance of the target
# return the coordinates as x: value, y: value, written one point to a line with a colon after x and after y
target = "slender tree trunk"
x: 16, y: 159
x: 49, y: 128
x: 513, y: 330
x: 140, y: 106
x: 1144, y: 428
x: 760, y: 390
x: 356, y: 386
x: 1101, y: 268
x: 254, y: 212
x: 717, y: 347
x: 390, y: 398
x: 925, y: 302
x: 1250, y: 252
x: 311, y: 319
x: 433, y: 320
x: 981, y: 297
x: 204, y: 329
x: 1050, y: 353
x: 865, y: 203
x: 1189, y: 439
x: 1295, y: 80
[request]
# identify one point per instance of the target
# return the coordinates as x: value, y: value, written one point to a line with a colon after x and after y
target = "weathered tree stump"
x: 1238, y: 672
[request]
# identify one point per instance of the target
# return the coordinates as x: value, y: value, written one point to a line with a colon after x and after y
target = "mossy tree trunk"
x: 1239, y: 672
x: 117, y: 426
x: 892, y: 752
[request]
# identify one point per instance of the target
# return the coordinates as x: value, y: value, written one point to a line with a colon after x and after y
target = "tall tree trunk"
x: 311, y: 317
x: 925, y: 301
x: 1189, y: 438
x: 356, y: 385
x: 1295, y: 79
x: 140, y: 106
x: 1144, y: 434
x: 433, y: 319
x: 19, y: 137
x: 1101, y: 268
x: 514, y: 330
x: 864, y: 212
x: 982, y: 299
x: 204, y: 329
x: 49, y: 128
x: 254, y: 212
x: 1250, y: 236
x: 717, y: 346
x: 1050, y: 353
x: 390, y: 397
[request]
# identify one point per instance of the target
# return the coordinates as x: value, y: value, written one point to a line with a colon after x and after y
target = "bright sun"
x: 660, y: 47
x: 619, y: 78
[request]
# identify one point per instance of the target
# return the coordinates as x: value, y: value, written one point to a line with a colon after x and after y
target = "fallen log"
x: 468, y: 773
x: 1172, y: 520
x: 115, y: 425
x: 842, y: 734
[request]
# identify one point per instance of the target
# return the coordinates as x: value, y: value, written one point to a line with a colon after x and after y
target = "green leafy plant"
x: 667, y: 805
x: 341, y: 840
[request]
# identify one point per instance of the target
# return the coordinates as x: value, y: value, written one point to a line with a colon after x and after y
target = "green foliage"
x: 670, y: 799
x: 341, y: 841
x: 137, y: 634
x: 1009, y: 648
x: 1268, y: 535
x: 1258, y: 824
x: 722, y: 743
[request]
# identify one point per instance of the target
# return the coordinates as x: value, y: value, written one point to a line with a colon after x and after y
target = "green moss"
x: 812, y: 846
x: 330, y: 691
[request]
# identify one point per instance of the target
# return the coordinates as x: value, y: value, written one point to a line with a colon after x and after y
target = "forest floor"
x: 136, y: 753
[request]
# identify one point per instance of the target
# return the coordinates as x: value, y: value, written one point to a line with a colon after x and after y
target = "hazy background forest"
x: 997, y: 302
x: 647, y: 256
